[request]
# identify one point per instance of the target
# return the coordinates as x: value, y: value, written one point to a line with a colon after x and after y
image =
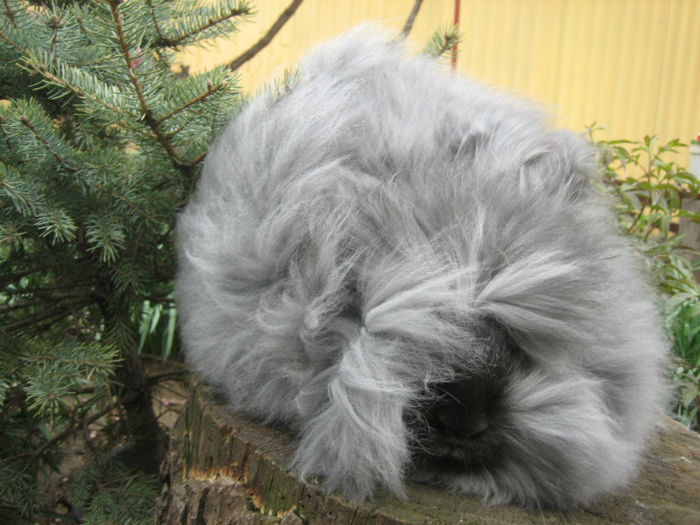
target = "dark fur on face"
x: 460, y: 426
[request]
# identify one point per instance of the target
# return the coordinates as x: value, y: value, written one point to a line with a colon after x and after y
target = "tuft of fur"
x: 416, y: 274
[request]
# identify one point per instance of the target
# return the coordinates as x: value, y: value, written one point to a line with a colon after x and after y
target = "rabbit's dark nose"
x: 462, y: 412
x: 454, y: 424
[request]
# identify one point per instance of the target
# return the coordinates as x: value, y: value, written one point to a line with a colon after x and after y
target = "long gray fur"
x: 387, y: 253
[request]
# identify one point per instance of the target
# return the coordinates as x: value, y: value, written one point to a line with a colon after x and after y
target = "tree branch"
x: 210, y: 91
x: 63, y: 435
x: 411, y: 18
x: 166, y: 376
x: 199, y: 158
x: 42, y: 266
x: 63, y: 162
x: 43, y: 70
x: 148, y: 117
x: 4, y: 133
x: 11, y: 42
x: 10, y: 14
x: 52, y: 313
x: 210, y: 23
x: 155, y: 22
x: 267, y: 38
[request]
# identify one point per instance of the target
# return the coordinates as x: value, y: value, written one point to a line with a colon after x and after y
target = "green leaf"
x: 169, y: 334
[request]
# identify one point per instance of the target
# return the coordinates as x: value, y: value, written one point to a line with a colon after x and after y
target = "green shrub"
x: 649, y: 191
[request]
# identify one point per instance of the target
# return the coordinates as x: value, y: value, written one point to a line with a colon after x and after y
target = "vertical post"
x: 456, y: 23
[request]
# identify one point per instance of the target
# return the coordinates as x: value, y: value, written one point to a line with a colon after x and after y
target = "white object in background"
x: 695, y: 158
x: 691, y: 230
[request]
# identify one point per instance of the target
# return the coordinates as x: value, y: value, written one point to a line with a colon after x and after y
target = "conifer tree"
x: 100, y: 145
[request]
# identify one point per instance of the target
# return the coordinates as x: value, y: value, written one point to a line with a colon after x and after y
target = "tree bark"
x: 149, y: 441
x: 223, y: 468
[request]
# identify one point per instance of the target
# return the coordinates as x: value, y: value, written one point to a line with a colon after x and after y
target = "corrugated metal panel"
x: 629, y: 65
x: 632, y: 66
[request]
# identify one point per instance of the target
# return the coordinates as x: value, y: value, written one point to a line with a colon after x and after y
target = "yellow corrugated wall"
x: 632, y: 66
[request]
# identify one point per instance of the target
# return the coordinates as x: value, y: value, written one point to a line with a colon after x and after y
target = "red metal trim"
x: 456, y: 23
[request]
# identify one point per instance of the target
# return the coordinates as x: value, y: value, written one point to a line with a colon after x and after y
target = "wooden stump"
x: 223, y: 468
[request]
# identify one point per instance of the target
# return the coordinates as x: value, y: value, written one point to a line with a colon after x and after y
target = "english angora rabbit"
x: 417, y: 276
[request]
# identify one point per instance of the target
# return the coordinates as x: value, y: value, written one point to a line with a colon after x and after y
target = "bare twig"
x: 63, y: 435
x: 411, y: 18
x: 4, y: 309
x: 166, y: 376
x: 52, y: 313
x: 267, y: 38
x: 42, y: 267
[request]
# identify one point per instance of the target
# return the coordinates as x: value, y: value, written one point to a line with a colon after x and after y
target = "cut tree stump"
x: 224, y: 468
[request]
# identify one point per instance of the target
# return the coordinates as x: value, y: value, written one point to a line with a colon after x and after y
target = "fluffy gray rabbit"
x: 416, y: 275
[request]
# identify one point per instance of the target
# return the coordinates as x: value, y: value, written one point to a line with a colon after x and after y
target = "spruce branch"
x: 181, y: 127
x: 55, y: 24
x: 156, y: 25
x: 442, y: 41
x: 174, y: 42
x: 10, y: 14
x: 40, y: 67
x: 199, y: 158
x: 129, y: 203
x: 59, y: 158
x: 267, y: 38
x: 49, y: 358
x: 41, y: 266
x: 56, y: 222
x: 79, y: 422
x: 209, y: 92
x: 21, y: 191
x: 10, y: 41
x: 131, y: 69
x: 148, y: 117
x: 4, y: 133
